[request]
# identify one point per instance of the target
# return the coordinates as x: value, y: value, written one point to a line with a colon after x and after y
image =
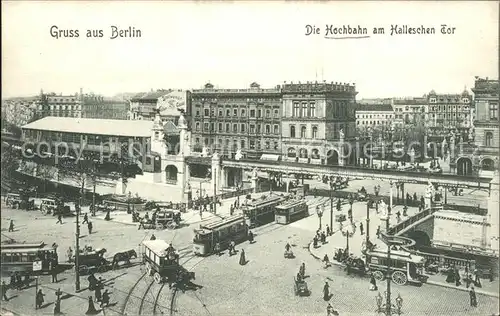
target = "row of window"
x: 303, y: 153
x: 306, y: 110
x: 449, y: 108
x: 238, y: 128
x: 303, y: 132
x: 252, y: 144
x: 65, y: 107
x: 434, y: 100
x: 374, y: 116
x: 239, y: 113
x: 373, y: 122
x: 197, y: 101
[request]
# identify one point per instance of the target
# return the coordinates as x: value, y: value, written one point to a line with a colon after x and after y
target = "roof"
x: 291, y: 203
x: 157, y: 246
x: 128, y: 128
x: 170, y: 129
x: 259, y: 202
x: 153, y: 95
x: 374, y: 107
x: 228, y: 220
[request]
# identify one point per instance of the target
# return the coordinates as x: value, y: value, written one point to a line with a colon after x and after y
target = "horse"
x: 123, y: 256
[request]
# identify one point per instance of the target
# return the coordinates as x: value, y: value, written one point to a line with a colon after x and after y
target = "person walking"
x: 326, y: 291
x: 473, y: 298
x: 217, y: 249
x: 69, y: 253
x: 457, y: 277
x: 153, y: 237
x: 302, y: 270
x: 19, y: 281
x: 98, y: 294
x: 328, y: 231
x: 373, y: 283
x: 326, y: 260
x: 243, y: 259
x: 39, y: 299
x: 233, y: 246
x: 85, y: 218
x: 250, y: 237
x: 59, y: 219
x: 11, y: 226
x: 4, y: 291
x: 477, y: 279
x: 89, y: 226
x: 105, y: 298
x: 361, y: 229
x: 53, y: 272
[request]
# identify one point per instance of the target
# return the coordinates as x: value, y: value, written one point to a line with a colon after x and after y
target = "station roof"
x: 128, y: 128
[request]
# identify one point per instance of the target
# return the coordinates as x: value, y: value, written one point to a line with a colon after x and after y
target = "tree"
x: 46, y: 173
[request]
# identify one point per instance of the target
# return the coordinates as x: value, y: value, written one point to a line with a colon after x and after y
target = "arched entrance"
x: 464, y: 167
x: 332, y: 157
x: 421, y: 238
x: 487, y: 164
x: 171, y: 173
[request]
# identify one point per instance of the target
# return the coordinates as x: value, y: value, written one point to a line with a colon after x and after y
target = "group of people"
x: 97, y: 285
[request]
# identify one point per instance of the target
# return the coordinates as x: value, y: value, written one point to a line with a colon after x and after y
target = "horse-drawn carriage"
x: 300, y: 288
x: 92, y: 260
x: 355, y: 265
x: 161, y: 220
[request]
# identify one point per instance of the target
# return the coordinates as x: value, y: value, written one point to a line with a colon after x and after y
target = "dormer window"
x: 432, y: 100
x: 465, y: 100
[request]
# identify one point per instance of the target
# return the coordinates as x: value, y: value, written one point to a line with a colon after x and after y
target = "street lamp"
x: 319, y: 211
x: 331, y: 205
x: 347, y: 234
x: 390, y: 309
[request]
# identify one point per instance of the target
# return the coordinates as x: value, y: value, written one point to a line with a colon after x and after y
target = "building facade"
x: 99, y: 107
x: 374, y: 116
x: 19, y: 111
x: 449, y: 112
x: 409, y: 110
x: 143, y: 106
x: 316, y: 119
x: 228, y: 120
x: 60, y: 105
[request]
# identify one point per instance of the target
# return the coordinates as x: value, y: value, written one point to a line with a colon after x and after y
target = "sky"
x: 231, y: 45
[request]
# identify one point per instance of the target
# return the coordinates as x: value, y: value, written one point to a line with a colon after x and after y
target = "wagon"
x: 93, y: 261
x: 300, y: 288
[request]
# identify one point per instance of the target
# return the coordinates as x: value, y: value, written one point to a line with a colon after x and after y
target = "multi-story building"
x: 99, y: 107
x: 375, y: 116
x: 143, y: 106
x: 59, y: 105
x: 483, y: 154
x: 409, y: 110
x: 316, y: 119
x: 449, y: 112
x: 19, y: 111
x: 225, y: 120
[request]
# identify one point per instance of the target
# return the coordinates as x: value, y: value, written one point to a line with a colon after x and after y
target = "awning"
x: 270, y: 157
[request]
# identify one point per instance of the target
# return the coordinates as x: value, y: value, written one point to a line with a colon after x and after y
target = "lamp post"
x: 367, y: 223
x: 319, y: 211
x: 392, y: 309
x: 390, y: 197
x: 331, y: 205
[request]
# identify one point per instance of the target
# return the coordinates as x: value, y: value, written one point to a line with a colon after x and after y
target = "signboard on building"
x: 171, y: 102
x: 37, y: 265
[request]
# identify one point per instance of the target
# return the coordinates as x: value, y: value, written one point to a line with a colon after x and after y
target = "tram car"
x: 20, y: 257
x: 291, y: 211
x: 233, y: 228
x: 261, y: 210
x: 405, y: 267
x: 162, y: 262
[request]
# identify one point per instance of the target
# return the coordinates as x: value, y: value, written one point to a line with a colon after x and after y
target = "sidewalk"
x: 337, y: 240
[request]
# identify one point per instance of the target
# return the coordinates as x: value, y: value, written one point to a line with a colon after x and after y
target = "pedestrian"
x: 105, y: 298
x: 457, y: 277
x: 69, y: 253
x: 378, y: 231
x: 27, y: 280
x: 326, y: 291
x: 361, y: 228
x: 217, y: 249
x: 19, y: 281
x: 53, y: 272
x: 233, y: 246
x: 373, y: 283
x: 302, y: 270
x: 85, y: 218
x: 100, y: 283
x: 250, y: 237
x: 108, y: 216
x: 491, y: 275
x: 201, y: 213
x: 323, y: 237
x: 59, y: 219
x: 4, y: 291
x: 12, y: 280
x: 243, y: 260
x: 315, y: 242
x: 11, y: 226
x: 91, y: 309
x: 326, y: 260
x: 153, y: 237
x: 287, y: 247
x: 89, y: 226
x: 97, y: 294
x: 330, y: 311
x: 39, y: 299
x: 328, y: 231
x: 473, y: 298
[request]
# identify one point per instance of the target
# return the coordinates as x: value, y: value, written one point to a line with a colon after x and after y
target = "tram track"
x: 122, y: 310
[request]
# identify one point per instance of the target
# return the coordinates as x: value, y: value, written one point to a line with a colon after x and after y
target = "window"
x: 198, y: 126
x: 207, y: 113
x: 212, y: 112
x: 268, y: 129
x: 243, y: 113
x: 292, y: 131
x: 276, y: 129
x: 235, y: 128
x: 205, y: 127
x: 268, y: 145
x: 259, y: 113
x: 268, y: 113
x: 252, y: 144
x: 304, y: 109
x: 206, y: 141
x: 243, y: 144
x: 315, y: 132
x: 228, y: 112
x: 291, y: 152
x: 296, y: 109
x: 235, y: 112
x: 220, y: 127
x: 220, y: 112
x: 212, y: 127
x: 252, y: 128
x: 275, y: 145
x: 303, y: 131
x: 315, y: 154
x: 197, y: 140
x: 303, y: 153
x: 227, y: 128
x: 252, y: 113
x: 242, y: 128
x: 493, y: 111
x: 258, y: 128
x: 312, y: 109
x: 488, y: 139
x: 276, y: 113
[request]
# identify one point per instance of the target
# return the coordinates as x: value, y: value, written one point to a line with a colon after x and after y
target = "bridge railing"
x: 445, y: 261
x: 396, y: 229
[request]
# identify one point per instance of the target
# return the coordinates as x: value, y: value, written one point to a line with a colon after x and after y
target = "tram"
x: 405, y: 267
x: 223, y: 231
x: 162, y: 262
x: 261, y: 211
x: 20, y: 257
x: 291, y: 211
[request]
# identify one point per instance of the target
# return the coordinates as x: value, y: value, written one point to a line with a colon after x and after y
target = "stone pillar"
x: 216, y: 173
x: 182, y: 176
x: 255, y: 183
x: 341, y: 153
